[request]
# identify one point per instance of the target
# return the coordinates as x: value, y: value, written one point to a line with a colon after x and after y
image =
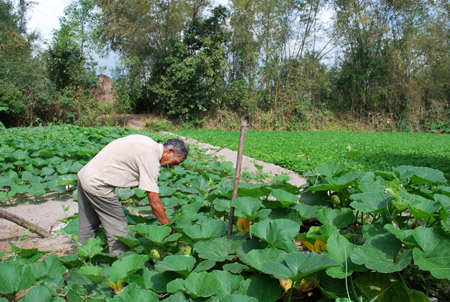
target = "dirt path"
x: 48, y: 210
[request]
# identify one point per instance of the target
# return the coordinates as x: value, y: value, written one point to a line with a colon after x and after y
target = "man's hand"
x: 157, y: 207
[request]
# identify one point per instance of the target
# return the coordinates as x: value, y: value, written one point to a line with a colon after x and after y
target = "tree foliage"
x: 187, y: 81
x: 385, y: 57
x: 21, y: 83
x: 281, y: 64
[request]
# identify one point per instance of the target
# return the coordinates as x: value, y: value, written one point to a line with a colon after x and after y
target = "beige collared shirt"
x: 130, y: 161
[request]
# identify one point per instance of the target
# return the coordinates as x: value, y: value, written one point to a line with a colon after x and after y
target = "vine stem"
x: 291, y: 290
x: 346, y: 277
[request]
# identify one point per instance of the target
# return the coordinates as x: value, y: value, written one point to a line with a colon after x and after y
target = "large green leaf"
x: 383, y: 253
x: 236, y: 298
x: 420, y: 175
x: 204, y: 266
x: 18, y: 155
x: 31, y: 178
x: 94, y: 273
x: 15, y: 277
x: 321, y: 233
x: 370, y: 201
x: 296, y: 266
x: 340, y: 249
x: 314, y: 198
x: 419, y: 206
x: 235, y: 267
x: 181, y: 264
x: 177, y: 297
x: 331, y: 169
x: 208, y: 229
x: 64, y: 167
x: 217, y: 249
x: 371, y: 184
x: 261, y: 287
x: 434, y: 252
x: 176, y: 286
x: 46, y: 171
x: 134, y: 294
x: 51, y: 265
x: 229, y: 283
x: 278, y: 233
x: 252, y: 190
x: 128, y: 241
x: 336, y: 184
x: 37, y: 189
x: 158, y: 234
x: 127, y: 265
x: 340, y: 218
x: 202, y: 285
x: 255, y: 258
x: 125, y: 193
x: 284, y: 198
x: 156, y: 281
x: 6, y: 181
x: 90, y: 248
x: 406, y: 236
x: 306, y: 211
x: 380, y: 287
x: 247, y: 206
x: 37, y: 294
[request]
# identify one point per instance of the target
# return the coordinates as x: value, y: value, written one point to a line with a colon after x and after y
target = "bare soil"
x: 48, y: 210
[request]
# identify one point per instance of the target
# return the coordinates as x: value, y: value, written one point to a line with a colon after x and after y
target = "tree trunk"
x: 24, y: 223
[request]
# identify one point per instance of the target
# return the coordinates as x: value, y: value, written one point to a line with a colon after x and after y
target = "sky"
x: 44, y: 18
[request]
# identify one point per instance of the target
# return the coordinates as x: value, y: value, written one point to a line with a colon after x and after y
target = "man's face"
x: 169, y: 160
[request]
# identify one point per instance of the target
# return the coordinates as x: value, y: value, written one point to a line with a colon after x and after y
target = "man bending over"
x: 134, y: 160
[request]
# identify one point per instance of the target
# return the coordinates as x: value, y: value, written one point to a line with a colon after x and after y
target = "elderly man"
x: 134, y: 160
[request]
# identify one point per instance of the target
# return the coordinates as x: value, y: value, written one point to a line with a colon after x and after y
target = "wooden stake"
x: 24, y: 223
x: 237, y: 175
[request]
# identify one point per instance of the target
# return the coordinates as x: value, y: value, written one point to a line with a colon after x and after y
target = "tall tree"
x: 21, y: 82
x: 144, y: 28
x: 381, y: 61
x: 70, y: 57
x: 82, y: 22
x: 270, y: 41
x: 188, y: 80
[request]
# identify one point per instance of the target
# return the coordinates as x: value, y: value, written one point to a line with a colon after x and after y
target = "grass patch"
x: 363, y: 151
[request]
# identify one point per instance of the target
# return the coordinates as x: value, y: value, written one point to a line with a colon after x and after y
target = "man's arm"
x: 158, y: 207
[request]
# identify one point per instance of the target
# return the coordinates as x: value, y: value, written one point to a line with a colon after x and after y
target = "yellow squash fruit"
x: 318, y: 247
x: 155, y: 254
x: 185, y: 249
x: 303, y: 286
x: 243, y: 225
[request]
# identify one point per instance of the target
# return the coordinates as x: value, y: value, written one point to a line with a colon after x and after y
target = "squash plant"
x: 374, y: 236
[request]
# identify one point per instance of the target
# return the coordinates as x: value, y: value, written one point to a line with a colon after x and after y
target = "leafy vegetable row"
x: 380, y: 236
x: 365, y: 151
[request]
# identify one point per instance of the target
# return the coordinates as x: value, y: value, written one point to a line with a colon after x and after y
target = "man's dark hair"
x: 179, y: 146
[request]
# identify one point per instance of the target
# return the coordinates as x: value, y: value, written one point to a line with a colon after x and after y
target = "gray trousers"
x: 95, y: 210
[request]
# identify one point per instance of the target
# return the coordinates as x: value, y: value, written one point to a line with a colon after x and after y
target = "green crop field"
x: 343, y: 236
x: 363, y: 151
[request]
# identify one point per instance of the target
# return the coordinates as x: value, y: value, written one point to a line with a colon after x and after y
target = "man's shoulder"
x: 138, y: 138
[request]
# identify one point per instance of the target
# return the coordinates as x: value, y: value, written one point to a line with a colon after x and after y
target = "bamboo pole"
x: 24, y: 223
x: 237, y: 175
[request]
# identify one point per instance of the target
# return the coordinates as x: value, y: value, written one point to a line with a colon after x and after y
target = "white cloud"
x: 44, y: 16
